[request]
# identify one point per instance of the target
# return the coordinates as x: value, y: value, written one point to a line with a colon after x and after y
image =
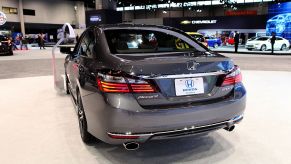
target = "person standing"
x: 40, y: 40
x: 14, y: 47
x: 20, y: 41
x: 24, y: 42
x: 236, y: 40
x: 273, y: 39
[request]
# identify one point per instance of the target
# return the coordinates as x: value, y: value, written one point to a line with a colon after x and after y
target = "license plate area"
x: 189, y: 86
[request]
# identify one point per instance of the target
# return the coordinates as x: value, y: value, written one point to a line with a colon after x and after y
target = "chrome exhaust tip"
x: 131, y: 145
x: 231, y: 128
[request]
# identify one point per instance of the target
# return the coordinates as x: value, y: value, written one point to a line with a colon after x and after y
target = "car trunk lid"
x: 180, y: 80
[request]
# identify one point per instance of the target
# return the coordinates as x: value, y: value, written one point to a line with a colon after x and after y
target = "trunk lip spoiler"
x: 185, y: 75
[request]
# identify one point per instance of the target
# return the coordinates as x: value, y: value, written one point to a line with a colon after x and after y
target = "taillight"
x: 117, y: 84
x: 112, y: 87
x: 232, y: 78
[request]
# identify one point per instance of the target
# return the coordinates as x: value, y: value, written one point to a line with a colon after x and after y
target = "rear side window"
x: 87, y: 43
x: 125, y: 41
x: 263, y: 38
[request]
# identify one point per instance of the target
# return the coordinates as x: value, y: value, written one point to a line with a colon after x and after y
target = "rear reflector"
x: 142, y: 88
x: 120, y: 136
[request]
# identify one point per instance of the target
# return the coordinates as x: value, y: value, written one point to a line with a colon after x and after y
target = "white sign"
x: 204, y: 21
x: 189, y: 86
x: 3, y: 18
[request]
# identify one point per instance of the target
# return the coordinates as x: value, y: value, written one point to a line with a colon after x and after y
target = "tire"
x: 86, y: 137
x: 67, y: 84
x: 11, y: 53
x: 215, y: 45
x: 283, y: 47
x: 263, y: 48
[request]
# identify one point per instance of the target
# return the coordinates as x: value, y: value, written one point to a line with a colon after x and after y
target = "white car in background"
x: 264, y: 43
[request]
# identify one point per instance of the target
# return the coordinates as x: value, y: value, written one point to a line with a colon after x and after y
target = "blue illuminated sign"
x: 279, y: 20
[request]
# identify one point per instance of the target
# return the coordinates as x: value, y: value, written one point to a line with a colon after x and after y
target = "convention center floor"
x: 39, y: 124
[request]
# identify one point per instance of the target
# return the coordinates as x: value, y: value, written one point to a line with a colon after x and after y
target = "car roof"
x: 267, y: 37
x: 131, y: 26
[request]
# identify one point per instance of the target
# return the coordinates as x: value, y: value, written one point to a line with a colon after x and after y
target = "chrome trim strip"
x: 178, y: 130
x: 139, y: 135
x: 184, y: 75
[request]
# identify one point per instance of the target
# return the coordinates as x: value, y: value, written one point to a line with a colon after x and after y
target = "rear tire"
x: 215, y: 45
x: 67, y: 84
x: 11, y: 53
x: 263, y: 48
x: 283, y: 47
x: 85, y: 135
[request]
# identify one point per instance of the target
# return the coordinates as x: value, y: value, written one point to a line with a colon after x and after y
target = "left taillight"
x: 232, y: 78
x: 119, y: 84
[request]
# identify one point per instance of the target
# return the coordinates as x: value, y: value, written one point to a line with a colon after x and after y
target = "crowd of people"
x: 23, y: 41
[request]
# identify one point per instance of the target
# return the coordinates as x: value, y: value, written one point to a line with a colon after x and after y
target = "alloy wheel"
x: 284, y: 47
x: 263, y: 48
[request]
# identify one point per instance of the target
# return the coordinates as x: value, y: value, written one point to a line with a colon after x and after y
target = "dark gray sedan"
x: 135, y: 83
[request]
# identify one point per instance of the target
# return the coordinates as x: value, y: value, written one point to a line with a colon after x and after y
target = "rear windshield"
x: 123, y: 41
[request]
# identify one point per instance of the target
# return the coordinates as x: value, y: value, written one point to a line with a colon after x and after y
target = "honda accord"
x: 135, y: 83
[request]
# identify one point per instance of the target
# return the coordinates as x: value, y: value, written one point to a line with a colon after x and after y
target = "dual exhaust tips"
x: 135, y: 145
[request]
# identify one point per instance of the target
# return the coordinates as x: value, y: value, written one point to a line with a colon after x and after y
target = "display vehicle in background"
x: 199, y: 37
x: 213, y: 42
x: 129, y: 88
x: 5, y: 46
x: 252, y: 38
x: 264, y: 43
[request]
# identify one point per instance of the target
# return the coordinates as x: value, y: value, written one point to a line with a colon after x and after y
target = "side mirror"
x: 66, y: 50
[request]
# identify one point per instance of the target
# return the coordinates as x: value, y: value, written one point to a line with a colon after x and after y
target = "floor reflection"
x: 184, y: 150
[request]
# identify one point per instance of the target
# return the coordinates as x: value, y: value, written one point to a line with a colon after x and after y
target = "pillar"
x: 21, y: 18
x: 105, y: 4
x: 80, y: 14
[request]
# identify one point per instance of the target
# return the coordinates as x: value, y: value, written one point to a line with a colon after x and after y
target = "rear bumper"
x: 187, y: 131
x: 103, y: 119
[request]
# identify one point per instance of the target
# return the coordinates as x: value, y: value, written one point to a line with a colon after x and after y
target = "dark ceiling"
x: 120, y: 3
x: 147, y: 2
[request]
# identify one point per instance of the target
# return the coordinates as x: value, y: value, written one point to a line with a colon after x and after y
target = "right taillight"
x: 233, y: 77
x: 119, y: 84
